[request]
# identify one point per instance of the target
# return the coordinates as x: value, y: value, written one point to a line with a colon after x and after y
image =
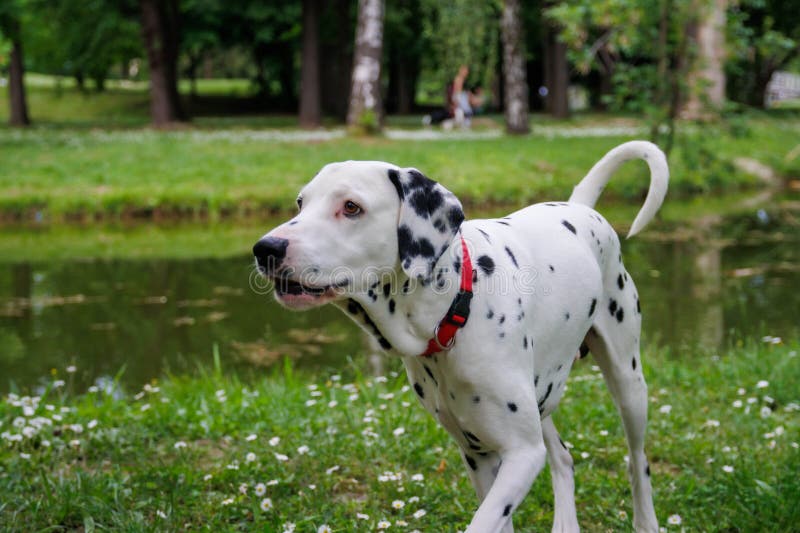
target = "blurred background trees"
x: 663, y: 59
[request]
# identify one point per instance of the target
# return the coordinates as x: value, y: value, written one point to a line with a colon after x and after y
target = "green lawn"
x: 190, y: 452
x: 74, y: 173
x: 89, y: 156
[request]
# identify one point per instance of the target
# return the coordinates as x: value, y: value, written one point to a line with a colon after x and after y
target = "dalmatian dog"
x: 392, y: 249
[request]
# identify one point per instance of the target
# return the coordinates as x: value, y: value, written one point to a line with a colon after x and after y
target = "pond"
x: 716, y: 281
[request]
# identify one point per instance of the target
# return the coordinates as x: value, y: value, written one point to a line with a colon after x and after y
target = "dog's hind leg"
x: 615, y: 346
x: 566, y: 519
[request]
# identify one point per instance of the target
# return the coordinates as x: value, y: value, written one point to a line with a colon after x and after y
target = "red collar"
x: 444, y: 336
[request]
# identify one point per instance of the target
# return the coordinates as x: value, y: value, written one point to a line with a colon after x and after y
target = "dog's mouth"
x: 297, y: 295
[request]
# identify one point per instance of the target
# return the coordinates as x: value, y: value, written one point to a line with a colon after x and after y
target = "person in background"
x: 461, y: 103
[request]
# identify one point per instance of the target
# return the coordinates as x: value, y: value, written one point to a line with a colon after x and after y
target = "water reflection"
x: 717, y: 284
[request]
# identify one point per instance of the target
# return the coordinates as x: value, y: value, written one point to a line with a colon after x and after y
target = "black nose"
x: 270, y: 252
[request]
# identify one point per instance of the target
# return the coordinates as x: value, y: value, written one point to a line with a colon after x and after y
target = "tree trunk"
x: 161, y: 33
x: 337, y: 57
x: 310, y: 113
x: 365, y: 109
x: 516, y: 84
x: 707, y: 79
x: 556, y: 74
x: 16, y: 87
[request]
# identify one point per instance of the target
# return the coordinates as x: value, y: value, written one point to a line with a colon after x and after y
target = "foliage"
x: 461, y: 32
x: 642, y: 45
x: 205, y: 451
x: 763, y: 36
x: 82, y: 38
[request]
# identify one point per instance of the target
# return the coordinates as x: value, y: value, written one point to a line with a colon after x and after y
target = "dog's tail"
x: 589, y: 189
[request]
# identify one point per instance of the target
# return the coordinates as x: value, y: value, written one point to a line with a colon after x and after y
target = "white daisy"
x: 674, y: 520
x: 260, y: 489
x: 398, y: 504
x: 266, y: 504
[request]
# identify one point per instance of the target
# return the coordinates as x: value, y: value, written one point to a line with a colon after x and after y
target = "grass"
x: 190, y: 451
x: 90, y: 159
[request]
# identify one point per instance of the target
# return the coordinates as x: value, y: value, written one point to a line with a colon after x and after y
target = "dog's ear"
x: 429, y: 218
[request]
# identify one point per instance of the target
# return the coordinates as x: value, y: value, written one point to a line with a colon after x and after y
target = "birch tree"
x: 516, y: 84
x: 365, y: 109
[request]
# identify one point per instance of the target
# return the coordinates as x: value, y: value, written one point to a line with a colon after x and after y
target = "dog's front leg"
x: 482, y: 471
x: 519, y: 467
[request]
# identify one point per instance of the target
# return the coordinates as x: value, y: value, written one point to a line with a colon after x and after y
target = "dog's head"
x: 358, y: 222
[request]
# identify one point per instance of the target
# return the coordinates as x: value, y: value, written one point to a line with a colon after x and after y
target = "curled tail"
x: 589, y: 189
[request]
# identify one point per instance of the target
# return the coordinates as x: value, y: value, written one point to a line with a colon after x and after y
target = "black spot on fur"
x: 430, y: 373
x: 507, y: 510
x: 612, y: 306
x: 476, y: 399
x: 406, y: 284
x: 391, y: 306
x: 457, y: 265
x: 410, y: 247
x: 490, y: 314
x: 418, y: 388
x: 562, y: 443
x: 647, y: 470
x: 386, y: 345
x: 452, y: 396
x: 486, y: 264
x: 520, y: 316
x: 471, y: 436
x: 503, y: 223
x: 620, y: 283
x: 584, y: 350
x: 633, y: 363
x: 501, y: 319
x: 502, y: 334
x: 455, y: 216
x: 353, y: 307
x: 569, y: 226
x: 471, y: 462
x: 293, y: 222
x: 535, y: 380
x: 552, y: 269
x: 591, y: 307
x: 387, y: 288
x: 544, y: 398
x: 620, y: 314
x: 525, y: 342
x: 566, y: 316
x: 394, y: 177
x: 440, y: 225
x: 512, y: 406
x: 511, y: 255
x: 485, y: 236
x: 638, y: 306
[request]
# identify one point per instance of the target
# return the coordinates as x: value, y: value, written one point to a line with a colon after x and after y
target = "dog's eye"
x: 352, y: 209
x: 299, y: 202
